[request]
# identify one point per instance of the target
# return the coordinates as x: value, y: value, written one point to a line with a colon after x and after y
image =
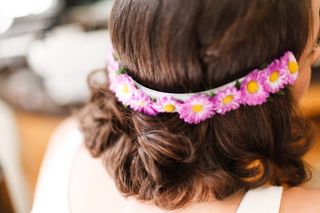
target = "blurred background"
x: 47, y: 49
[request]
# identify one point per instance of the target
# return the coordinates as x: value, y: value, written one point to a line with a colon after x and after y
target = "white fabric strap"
x: 262, y: 200
x: 183, y: 96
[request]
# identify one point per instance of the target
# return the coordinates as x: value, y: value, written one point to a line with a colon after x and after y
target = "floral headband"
x: 193, y: 108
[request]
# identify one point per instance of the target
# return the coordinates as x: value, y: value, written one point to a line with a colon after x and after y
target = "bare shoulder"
x: 90, y: 188
x: 55, y: 167
x: 65, y: 138
x: 300, y: 199
x: 66, y: 134
x: 68, y: 125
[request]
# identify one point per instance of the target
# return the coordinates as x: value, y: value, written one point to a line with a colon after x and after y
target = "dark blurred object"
x: 72, y: 3
x: 5, y: 204
x: 91, y: 17
x: 316, y: 74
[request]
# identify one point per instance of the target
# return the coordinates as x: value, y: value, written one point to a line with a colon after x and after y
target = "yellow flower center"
x: 228, y: 99
x: 197, y: 108
x: 293, y: 67
x: 169, y: 108
x: 125, y: 89
x: 142, y: 103
x: 274, y: 76
x: 253, y: 87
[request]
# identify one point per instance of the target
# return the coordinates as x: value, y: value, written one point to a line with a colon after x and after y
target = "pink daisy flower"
x: 252, y: 91
x: 112, y: 67
x: 112, y: 64
x: 124, y: 88
x: 227, y: 99
x: 143, y: 103
x: 167, y: 104
x: 292, y: 66
x: 196, y: 109
x: 274, y: 77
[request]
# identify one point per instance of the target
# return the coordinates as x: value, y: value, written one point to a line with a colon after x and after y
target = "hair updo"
x: 183, y: 46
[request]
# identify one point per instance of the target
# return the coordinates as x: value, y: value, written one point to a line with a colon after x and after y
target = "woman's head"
x: 187, y: 46
x: 190, y: 46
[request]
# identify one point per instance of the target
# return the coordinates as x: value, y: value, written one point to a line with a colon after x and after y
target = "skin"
x: 91, y: 189
x: 309, y: 56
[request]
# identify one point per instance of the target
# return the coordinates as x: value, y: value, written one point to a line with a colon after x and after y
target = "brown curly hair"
x: 190, y: 46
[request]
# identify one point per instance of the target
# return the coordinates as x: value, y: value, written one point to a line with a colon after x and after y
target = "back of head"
x: 190, y: 46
